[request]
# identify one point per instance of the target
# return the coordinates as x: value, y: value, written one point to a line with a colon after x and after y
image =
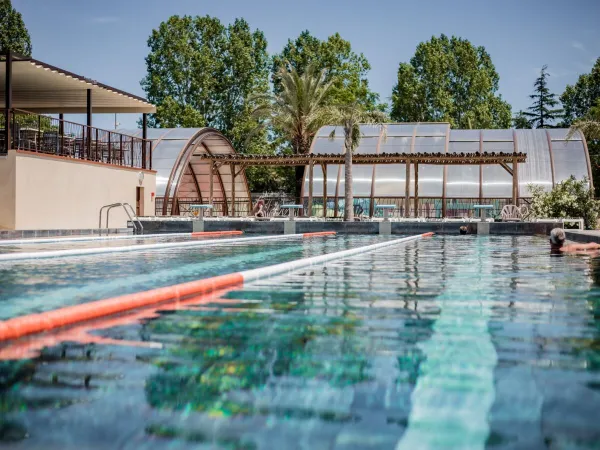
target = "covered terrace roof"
x: 42, y: 88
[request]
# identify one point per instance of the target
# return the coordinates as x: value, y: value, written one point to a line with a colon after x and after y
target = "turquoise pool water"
x: 449, y: 342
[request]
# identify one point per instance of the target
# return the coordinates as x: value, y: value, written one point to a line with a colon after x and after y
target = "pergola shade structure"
x: 445, y: 190
x: 183, y: 175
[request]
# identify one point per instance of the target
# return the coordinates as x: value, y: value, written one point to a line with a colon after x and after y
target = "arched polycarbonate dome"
x: 551, y: 158
x: 183, y: 178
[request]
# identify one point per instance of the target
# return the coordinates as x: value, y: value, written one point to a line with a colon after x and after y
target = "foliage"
x: 297, y: 111
x: 589, y: 125
x: 349, y: 117
x: 345, y: 70
x: 201, y: 73
x: 578, y: 99
x: 540, y: 113
x: 450, y: 80
x: 521, y: 121
x: 13, y: 33
x: 569, y: 199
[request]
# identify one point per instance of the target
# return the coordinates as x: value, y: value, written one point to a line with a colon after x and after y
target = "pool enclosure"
x: 450, y: 190
x: 183, y: 179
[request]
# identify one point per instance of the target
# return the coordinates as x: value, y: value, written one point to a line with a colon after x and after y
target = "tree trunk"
x: 348, y: 197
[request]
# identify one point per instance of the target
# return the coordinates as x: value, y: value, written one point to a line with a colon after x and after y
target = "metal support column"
x: 211, y: 185
x: 61, y: 133
x: 407, y: 191
x: 8, y: 102
x: 310, y: 187
x: 232, y: 190
x: 324, y: 169
x: 89, y: 123
x: 416, y: 190
x: 144, y: 137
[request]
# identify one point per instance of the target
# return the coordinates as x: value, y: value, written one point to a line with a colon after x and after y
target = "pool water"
x: 449, y: 342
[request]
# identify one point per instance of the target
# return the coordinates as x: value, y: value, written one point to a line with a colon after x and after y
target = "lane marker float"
x: 70, y: 315
x: 129, y: 248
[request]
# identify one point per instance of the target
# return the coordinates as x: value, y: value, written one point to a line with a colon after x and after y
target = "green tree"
x: 570, y: 198
x: 13, y: 33
x: 349, y: 117
x: 450, y: 80
x: 540, y: 113
x: 579, y: 98
x: 589, y: 125
x: 345, y: 70
x: 201, y: 73
x: 521, y: 121
x: 296, y: 111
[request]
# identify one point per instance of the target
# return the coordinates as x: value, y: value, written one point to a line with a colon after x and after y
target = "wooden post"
x: 311, y: 166
x: 515, y: 189
x: 324, y: 168
x: 232, y: 190
x: 211, y: 185
x: 416, y: 190
x: 407, y: 191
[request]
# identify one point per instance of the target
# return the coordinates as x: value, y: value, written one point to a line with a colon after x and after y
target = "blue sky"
x: 106, y: 40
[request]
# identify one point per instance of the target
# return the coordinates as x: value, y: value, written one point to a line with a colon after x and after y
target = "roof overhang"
x: 41, y: 88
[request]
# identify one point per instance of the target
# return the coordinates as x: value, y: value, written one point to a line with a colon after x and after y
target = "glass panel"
x: 396, y: 145
x: 462, y: 181
x: 497, y: 135
x: 370, y: 130
x: 432, y: 129
x: 537, y: 169
x: 389, y: 180
x: 560, y: 134
x: 569, y: 159
x: 430, y: 180
x: 400, y: 130
x: 430, y: 144
x: 463, y: 147
x: 464, y: 135
x: 498, y: 147
x: 497, y: 182
x: 324, y: 131
x: 326, y: 145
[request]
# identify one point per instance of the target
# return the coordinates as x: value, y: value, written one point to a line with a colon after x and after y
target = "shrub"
x: 569, y: 199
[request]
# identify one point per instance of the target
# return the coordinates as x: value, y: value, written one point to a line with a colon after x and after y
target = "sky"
x: 106, y: 40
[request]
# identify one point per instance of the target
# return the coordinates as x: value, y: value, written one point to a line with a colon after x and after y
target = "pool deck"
x: 24, y: 234
x: 583, y: 236
x: 157, y: 225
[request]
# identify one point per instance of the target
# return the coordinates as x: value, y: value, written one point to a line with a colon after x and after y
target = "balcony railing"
x: 45, y: 134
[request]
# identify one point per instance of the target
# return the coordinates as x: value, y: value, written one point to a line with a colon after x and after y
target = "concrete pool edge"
x: 70, y: 315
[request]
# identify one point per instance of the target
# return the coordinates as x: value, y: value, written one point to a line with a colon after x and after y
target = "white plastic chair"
x: 511, y: 213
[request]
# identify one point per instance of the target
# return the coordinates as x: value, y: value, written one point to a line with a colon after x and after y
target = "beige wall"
x: 60, y: 193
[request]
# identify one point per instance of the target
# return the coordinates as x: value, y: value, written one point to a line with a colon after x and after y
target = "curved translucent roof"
x: 180, y: 174
x: 550, y: 160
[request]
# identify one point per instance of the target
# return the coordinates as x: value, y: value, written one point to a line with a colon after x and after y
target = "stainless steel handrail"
x: 130, y: 213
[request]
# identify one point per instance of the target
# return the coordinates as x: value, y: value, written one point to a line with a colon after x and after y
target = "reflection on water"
x: 326, y: 357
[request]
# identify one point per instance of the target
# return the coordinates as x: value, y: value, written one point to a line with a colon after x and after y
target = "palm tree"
x: 350, y: 117
x: 297, y: 111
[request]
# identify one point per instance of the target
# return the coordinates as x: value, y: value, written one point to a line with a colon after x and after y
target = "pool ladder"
x: 138, y: 228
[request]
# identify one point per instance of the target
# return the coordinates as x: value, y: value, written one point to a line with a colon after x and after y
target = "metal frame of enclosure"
x: 448, y: 190
x: 187, y: 173
x: 30, y: 88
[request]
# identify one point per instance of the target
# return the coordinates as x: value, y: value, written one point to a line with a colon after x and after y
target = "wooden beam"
x: 407, y: 191
x: 416, y: 190
x: 515, y: 189
x: 324, y: 169
x: 505, y: 167
x: 211, y: 185
x: 232, y: 189
x: 310, y: 188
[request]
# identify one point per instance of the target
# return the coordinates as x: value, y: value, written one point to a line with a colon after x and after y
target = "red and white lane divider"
x: 70, y: 315
x: 140, y: 247
x: 59, y: 240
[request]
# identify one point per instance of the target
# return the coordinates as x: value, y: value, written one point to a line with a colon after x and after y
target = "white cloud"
x: 578, y: 45
x: 105, y: 19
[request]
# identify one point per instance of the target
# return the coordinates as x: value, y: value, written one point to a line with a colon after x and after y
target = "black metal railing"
x: 182, y: 207
x: 45, y: 134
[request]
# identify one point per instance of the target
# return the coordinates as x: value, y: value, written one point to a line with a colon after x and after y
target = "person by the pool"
x: 557, y: 243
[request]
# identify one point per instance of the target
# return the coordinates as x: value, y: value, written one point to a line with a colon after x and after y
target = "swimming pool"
x: 449, y: 342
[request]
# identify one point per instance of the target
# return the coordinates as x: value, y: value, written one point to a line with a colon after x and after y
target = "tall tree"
x: 346, y: 70
x: 296, y: 111
x: 13, y: 33
x: 349, y: 117
x: 451, y: 80
x: 521, y: 121
x: 202, y: 73
x: 540, y: 113
x: 579, y: 98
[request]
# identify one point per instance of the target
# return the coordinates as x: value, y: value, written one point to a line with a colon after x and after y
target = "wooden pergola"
x: 239, y: 163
